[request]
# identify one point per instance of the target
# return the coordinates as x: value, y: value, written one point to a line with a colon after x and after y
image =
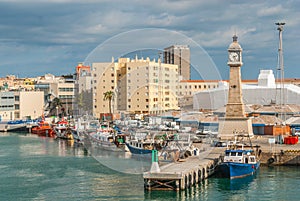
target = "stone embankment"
x: 277, y: 154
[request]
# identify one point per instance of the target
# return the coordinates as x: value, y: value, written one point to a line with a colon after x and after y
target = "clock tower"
x: 235, y: 121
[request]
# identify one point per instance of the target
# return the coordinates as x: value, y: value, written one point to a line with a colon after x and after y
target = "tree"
x: 109, y: 96
x: 56, y: 102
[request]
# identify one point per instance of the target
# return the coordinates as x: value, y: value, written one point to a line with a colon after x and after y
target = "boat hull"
x: 135, y: 150
x: 237, y: 170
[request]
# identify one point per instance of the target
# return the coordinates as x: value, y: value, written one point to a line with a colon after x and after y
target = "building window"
x: 112, y: 75
x: 147, y: 100
x: 17, y: 106
x: 17, y: 98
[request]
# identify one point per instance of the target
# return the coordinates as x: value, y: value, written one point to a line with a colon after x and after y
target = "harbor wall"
x: 287, y: 157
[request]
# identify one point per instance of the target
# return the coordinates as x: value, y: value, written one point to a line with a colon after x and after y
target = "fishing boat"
x: 140, y: 147
x: 62, y: 130
x: 43, y: 129
x: 142, y: 143
x: 165, y: 144
x: 238, y: 162
x: 106, y: 138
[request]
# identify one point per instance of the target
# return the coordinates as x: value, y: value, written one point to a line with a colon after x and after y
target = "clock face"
x: 234, y: 56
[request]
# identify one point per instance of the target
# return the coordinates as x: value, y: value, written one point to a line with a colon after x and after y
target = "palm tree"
x: 56, y: 102
x: 109, y: 96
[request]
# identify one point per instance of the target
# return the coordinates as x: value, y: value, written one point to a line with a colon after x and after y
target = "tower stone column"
x: 235, y: 121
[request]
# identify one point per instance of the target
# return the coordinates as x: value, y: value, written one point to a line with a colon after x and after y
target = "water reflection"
x: 67, y: 147
x: 234, y: 184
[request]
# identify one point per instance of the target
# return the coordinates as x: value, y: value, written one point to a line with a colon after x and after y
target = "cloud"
x: 270, y: 11
x: 71, y: 29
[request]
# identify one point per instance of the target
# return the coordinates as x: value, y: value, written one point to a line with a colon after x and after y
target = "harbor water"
x: 36, y: 168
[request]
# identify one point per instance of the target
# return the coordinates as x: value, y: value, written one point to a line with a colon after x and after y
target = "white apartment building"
x: 140, y: 86
x: 16, y: 105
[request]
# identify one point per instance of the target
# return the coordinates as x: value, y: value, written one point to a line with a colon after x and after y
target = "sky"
x: 53, y: 36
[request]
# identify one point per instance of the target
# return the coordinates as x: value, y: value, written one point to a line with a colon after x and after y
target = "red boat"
x: 43, y: 129
x: 62, y: 129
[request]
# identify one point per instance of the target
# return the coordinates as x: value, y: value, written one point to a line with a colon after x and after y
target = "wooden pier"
x: 183, y: 174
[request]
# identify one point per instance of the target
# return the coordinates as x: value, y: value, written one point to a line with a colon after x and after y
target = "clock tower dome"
x: 235, y: 121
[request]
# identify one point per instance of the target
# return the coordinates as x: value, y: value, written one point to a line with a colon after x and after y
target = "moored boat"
x: 62, y: 130
x: 238, y: 162
x: 43, y: 129
x: 140, y: 147
x: 106, y: 138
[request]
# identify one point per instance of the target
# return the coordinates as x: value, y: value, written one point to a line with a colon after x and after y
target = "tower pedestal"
x: 229, y: 127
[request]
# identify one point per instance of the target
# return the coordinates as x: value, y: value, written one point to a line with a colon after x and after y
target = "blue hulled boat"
x: 238, y: 162
x: 139, y: 147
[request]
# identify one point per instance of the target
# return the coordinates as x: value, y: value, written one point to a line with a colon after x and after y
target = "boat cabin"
x: 239, y: 156
x: 141, y: 144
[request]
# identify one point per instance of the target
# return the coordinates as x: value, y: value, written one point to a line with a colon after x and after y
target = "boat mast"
x: 280, y: 68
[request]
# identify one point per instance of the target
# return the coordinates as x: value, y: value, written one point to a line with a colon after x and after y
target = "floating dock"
x: 185, y: 173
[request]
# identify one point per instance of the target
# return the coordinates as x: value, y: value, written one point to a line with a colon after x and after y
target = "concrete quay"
x: 277, y: 154
x: 183, y: 174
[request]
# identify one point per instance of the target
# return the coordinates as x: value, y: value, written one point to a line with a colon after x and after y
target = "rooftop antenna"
x: 280, y: 68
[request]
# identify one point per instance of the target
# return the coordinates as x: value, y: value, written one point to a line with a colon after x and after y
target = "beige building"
x: 179, y: 55
x: 187, y: 88
x: 15, y: 105
x: 28, y: 104
x: 140, y: 86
